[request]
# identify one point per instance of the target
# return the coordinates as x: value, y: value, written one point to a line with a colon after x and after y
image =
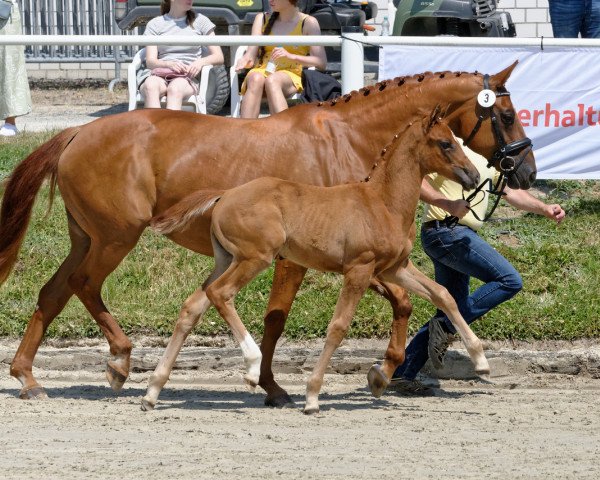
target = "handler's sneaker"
x: 439, y: 341
x: 8, y: 130
x: 412, y: 388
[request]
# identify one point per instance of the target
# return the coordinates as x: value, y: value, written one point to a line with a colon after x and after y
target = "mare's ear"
x: 501, y: 78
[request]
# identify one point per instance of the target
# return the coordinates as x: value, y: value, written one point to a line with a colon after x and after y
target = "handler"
x: 459, y: 253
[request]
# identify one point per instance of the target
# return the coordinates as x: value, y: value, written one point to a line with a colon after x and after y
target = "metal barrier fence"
x: 73, y: 17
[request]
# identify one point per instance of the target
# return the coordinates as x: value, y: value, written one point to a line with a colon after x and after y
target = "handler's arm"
x: 459, y: 208
x: 523, y: 200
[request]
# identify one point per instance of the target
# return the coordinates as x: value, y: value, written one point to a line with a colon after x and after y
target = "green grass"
x: 560, y: 267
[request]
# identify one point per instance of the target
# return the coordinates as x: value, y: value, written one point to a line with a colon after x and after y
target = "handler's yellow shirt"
x: 454, y: 191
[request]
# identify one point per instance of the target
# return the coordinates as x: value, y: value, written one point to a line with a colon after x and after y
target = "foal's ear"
x: 434, y: 117
x: 501, y: 78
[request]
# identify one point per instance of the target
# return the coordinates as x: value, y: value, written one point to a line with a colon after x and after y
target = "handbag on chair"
x: 5, y: 12
x: 168, y: 74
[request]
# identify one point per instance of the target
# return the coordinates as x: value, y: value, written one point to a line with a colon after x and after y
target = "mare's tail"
x: 20, y: 192
x: 183, y: 212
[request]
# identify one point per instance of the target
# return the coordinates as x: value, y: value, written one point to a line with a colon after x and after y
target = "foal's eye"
x: 445, y: 145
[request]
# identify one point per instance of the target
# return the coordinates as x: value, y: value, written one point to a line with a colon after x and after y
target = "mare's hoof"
x: 116, y: 376
x: 147, y: 405
x: 377, y: 380
x: 484, y: 371
x: 280, y: 401
x: 33, y: 393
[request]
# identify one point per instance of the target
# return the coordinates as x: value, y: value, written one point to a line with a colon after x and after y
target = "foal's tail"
x: 19, y: 195
x: 182, y: 213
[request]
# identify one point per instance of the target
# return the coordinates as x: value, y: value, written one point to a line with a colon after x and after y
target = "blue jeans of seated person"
x: 458, y: 254
x: 570, y: 18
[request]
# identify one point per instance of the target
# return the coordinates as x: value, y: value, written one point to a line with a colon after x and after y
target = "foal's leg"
x: 222, y: 293
x: 51, y: 300
x: 193, y: 308
x: 356, y: 281
x: 379, y: 377
x: 286, y: 282
x: 414, y: 281
x: 86, y: 283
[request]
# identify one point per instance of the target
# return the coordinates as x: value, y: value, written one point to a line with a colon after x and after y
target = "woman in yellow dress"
x: 286, y: 80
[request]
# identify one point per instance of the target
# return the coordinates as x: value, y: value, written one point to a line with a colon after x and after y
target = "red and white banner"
x: 556, y: 93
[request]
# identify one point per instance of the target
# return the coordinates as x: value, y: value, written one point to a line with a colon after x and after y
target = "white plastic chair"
x: 236, y: 96
x: 195, y: 103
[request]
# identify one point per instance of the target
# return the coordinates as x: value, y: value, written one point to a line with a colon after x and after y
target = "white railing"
x: 352, y: 44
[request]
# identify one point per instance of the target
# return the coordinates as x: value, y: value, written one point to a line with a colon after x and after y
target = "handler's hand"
x: 458, y: 208
x: 555, y: 212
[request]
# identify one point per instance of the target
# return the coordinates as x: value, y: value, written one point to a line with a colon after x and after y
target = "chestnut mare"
x: 117, y: 172
x: 360, y: 230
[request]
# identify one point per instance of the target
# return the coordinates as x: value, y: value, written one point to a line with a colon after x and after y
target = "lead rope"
x: 495, y: 189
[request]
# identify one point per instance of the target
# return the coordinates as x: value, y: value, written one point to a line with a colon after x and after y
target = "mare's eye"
x: 508, y: 118
x: 445, y: 145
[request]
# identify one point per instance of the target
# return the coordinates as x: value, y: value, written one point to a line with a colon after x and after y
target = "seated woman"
x: 286, y: 19
x: 178, y: 18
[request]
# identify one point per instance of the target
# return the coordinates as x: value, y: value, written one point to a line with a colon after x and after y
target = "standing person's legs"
x: 591, y: 21
x: 9, y: 128
x: 15, y: 98
x: 567, y: 17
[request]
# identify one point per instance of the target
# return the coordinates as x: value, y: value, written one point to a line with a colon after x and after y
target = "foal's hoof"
x: 377, y: 380
x: 251, y: 383
x: 147, y: 405
x: 282, y: 400
x: 116, y: 376
x: 33, y: 393
x: 311, y: 410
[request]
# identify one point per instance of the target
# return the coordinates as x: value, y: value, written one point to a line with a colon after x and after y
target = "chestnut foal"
x: 360, y: 230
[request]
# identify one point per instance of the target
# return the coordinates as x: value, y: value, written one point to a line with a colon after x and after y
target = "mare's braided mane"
x: 395, y: 82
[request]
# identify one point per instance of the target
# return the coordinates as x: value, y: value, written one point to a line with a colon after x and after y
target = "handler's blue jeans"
x: 458, y: 254
x: 569, y: 18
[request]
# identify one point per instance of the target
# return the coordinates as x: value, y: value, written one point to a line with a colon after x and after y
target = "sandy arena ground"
x: 537, y: 418
x: 207, y: 425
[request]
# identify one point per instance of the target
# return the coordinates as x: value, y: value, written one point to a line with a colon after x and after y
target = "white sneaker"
x: 8, y: 130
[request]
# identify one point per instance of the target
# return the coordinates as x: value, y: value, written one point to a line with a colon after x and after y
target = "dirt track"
x: 207, y: 425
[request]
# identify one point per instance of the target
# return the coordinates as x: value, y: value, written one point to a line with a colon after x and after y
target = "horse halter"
x: 509, y: 156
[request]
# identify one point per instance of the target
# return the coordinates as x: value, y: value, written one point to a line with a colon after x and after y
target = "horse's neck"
x: 379, y: 110
x: 397, y: 177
